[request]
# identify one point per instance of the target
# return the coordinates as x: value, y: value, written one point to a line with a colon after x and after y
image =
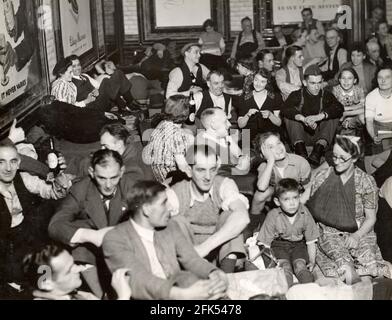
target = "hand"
x: 186, y: 169
x: 267, y: 153
x: 251, y: 112
x: 120, y: 284
x: 195, y: 89
x: 111, y: 116
x: 352, y: 241
x: 98, y: 236
x: 200, y: 291
x: 62, y: 162
x: 16, y: 135
x: 266, y: 114
x: 219, y: 282
x: 7, y: 57
x: 95, y: 93
x: 90, y: 98
x: 62, y: 181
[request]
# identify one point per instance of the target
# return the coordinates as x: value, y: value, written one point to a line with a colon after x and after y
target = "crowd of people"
x: 306, y: 170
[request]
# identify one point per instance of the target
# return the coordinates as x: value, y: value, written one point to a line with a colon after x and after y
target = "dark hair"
x: 262, y: 137
x: 290, y: 52
x: 102, y: 158
x: 204, y: 149
x: 208, y: 23
x: 61, y: 67
x: 358, y: 46
x: 33, y: 261
x: 177, y: 109
x: 262, y: 53
x: 141, y: 193
x: 73, y: 57
x: 245, y: 18
x: 287, y: 185
x: 384, y: 66
x: 380, y: 23
x: 214, y: 72
x: 8, y: 144
x: 266, y: 75
x: 348, y: 146
x: 349, y: 69
x: 246, y: 63
x: 116, y: 130
x: 307, y: 9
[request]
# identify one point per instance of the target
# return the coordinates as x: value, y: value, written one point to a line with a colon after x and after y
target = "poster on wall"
x: 75, y: 16
x: 19, y: 58
x: 289, y: 11
x: 181, y: 13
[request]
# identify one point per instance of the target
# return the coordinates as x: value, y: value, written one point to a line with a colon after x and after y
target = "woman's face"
x: 342, y: 160
x: 67, y: 75
x: 347, y: 80
x: 259, y: 83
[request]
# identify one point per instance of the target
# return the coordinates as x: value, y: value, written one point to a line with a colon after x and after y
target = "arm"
x: 332, y: 107
x: 284, y: 87
x: 261, y: 42
x: 312, y: 254
x: 45, y: 190
x: 175, y: 81
x: 265, y: 176
x: 94, y: 82
x: 370, y: 127
x: 234, y: 48
x: 222, y: 45
x: 275, y: 118
x: 342, y: 57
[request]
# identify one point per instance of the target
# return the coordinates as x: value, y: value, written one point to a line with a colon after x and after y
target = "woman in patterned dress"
x: 169, y: 141
x: 344, y: 203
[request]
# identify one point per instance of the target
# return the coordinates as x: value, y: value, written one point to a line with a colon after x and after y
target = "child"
x: 291, y: 233
x: 278, y: 165
x: 352, y: 97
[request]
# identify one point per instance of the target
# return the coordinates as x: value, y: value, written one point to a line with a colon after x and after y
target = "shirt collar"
x: 144, y: 233
x: 194, y: 197
x: 300, y: 210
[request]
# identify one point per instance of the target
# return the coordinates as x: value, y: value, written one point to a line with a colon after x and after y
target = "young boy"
x: 291, y: 233
x: 278, y: 165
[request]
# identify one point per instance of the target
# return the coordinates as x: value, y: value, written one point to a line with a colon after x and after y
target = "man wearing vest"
x: 290, y: 77
x: 309, y: 22
x: 214, y: 96
x: 312, y: 116
x: 210, y: 209
x: 190, y: 76
x: 93, y: 207
x: 23, y: 214
x: 114, y: 89
x: 337, y: 55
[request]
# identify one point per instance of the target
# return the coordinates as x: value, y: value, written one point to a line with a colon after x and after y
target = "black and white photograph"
x: 196, y: 155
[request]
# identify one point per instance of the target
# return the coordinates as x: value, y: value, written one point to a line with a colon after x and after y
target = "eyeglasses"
x: 341, y: 159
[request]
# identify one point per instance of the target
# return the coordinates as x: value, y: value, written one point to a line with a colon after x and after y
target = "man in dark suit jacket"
x: 155, y: 250
x: 94, y: 206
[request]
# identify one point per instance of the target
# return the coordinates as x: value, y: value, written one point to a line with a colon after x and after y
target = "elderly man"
x: 23, y: 212
x: 337, y: 55
x: 94, y: 206
x: 374, y: 53
x: 190, y: 76
x: 312, y: 116
x: 162, y: 262
x: 210, y: 209
x: 214, y: 96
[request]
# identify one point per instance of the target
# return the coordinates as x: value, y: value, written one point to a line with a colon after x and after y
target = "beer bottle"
x: 192, y: 110
x: 53, y: 159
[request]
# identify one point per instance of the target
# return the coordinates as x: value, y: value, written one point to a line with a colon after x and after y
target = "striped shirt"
x: 64, y: 91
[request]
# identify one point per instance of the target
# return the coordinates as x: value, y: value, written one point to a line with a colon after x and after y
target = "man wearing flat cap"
x: 312, y: 116
x: 190, y: 76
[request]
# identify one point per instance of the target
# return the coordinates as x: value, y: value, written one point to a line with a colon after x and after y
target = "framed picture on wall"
x: 76, y: 29
x: 23, y: 66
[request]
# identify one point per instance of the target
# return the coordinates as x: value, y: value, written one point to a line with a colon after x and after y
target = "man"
x: 115, y: 88
x: 190, y: 76
x: 371, y: 24
x: 93, y: 207
x: 116, y: 137
x: 280, y: 39
x: 309, y: 22
x: 366, y: 71
x: 214, y: 96
x: 53, y: 275
x: 24, y: 215
x: 337, y: 55
x: 210, y: 209
x: 247, y: 43
x: 314, y: 46
x: 216, y: 135
x: 373, y: 53
x: 162, y: 262
x: 290, y: 77
x: 312, y: 116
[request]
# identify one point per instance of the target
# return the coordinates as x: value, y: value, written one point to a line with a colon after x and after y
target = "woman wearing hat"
x: 168, y: 143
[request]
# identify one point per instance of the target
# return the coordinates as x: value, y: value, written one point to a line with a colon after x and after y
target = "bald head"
x: 215, y: 121
x: 373, y: 50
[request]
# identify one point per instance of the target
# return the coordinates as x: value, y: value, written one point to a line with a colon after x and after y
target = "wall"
x: 238, y: 10
x: 389, y: 11
x: 130, y: 17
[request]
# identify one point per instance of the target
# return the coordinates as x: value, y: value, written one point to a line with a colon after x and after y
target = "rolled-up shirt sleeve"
x: 229, y: 193
x: 38, y: 186
x: 175, y: 81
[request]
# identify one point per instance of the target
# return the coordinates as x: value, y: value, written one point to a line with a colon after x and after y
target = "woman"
x: 260, y: 113
x: 384, y: 40
x: 352, y: 97
x: 169, y: 142
x: 212, y: 47
x: 344, y: 203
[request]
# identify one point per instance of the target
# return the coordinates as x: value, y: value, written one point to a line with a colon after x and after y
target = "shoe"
x: 317, y: 153
x: 300, y: 149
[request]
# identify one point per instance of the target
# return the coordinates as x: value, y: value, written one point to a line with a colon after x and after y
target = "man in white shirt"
x: 23, y: 212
